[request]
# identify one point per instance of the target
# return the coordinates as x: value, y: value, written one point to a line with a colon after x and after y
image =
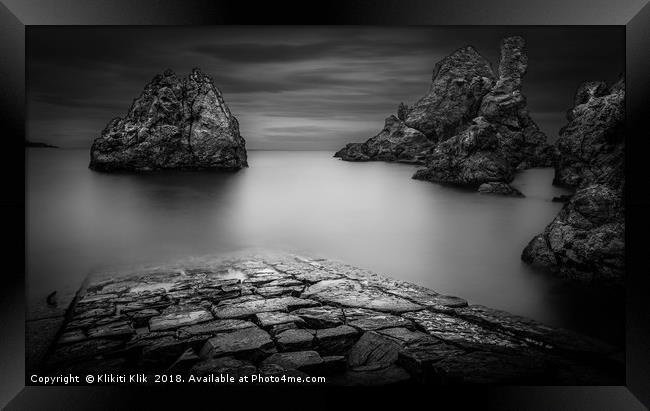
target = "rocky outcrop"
x: 396, y: 142
x: 586, y: 241
x: 174, y: 124
x: 459, y: 82
x: 349, y: 324
x: 465, y: 99
x: 591, y: 145
x: 521, y: 141
x: 469, y: 159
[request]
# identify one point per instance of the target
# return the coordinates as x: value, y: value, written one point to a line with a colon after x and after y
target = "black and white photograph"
x: 326, y: 205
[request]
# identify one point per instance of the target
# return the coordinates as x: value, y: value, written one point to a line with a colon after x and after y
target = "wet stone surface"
x: 275, y: 315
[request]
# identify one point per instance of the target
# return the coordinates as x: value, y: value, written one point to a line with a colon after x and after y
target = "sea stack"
x: 458, y: 83
x: 175, y: 123
x: 586, y: 241
x: 501, y: 139
x: 520, y: 140
x: 472, y: 127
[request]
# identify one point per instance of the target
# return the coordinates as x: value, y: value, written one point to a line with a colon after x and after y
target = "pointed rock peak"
x: 588, y: 90
x: 175, y: 123
x: 166, y: 79
x: 461, y: 63
x: 196, y: 72
x: 403, y: 111
x: 391, y: 120
x: 466, y: 50
x: 514, y: 42
x: 514, y: 61
x: 198, y: 76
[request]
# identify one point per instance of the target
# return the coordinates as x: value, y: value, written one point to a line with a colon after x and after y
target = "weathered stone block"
x: 250, y: 343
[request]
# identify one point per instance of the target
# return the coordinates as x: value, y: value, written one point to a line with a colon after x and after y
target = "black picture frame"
x: 16, y: 15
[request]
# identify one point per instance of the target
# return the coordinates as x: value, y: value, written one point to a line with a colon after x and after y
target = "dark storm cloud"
x: 291, y: 87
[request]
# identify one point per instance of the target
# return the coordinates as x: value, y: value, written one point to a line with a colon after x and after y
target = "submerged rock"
x: 174, y: 124
x: 586, y: 241
x: 500, y: 189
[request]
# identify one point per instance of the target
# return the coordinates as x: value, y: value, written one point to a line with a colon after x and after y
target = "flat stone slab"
x: 373, y: 351
x: 213, y: 327
x: 459, y: 331
x: 178, y: 319
x: 321, y: 317
x: 352, y: 294
x: 249, y: 342
x: 250, y: 308
x: 113, y: 329
x: 269, y: 319
x: 295, y: 340
x: 286, y: 315
x: 532, y: 331
x: 336, y: 340
x: 404, y: 335
x: 368, y: 320
x: 278, y: 290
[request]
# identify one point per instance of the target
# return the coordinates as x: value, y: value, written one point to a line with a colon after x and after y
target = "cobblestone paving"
x: 296, y: 316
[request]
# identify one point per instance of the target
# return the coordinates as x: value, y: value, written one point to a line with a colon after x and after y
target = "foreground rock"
x: 174, y: 124
x: 352, y: 326
x: 586, y: 241
x: 471, y: 128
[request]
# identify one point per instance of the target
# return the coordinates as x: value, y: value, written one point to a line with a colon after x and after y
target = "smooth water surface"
x: 372, y: 215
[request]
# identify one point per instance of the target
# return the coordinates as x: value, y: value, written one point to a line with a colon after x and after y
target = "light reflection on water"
x: 368, y: 214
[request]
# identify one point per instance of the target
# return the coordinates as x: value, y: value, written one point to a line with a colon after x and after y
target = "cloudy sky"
x: 293, y: 87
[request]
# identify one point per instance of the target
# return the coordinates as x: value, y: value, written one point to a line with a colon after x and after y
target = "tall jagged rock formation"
x: 458, y: 83
x: 466, y: 101
x: 586, y: 241
x: 521, y: 141
x: 591, y: 145
x: 174, y: 124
